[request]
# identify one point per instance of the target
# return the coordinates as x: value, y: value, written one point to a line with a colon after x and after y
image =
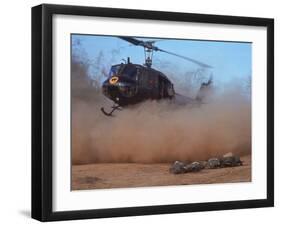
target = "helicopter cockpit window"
x: 115, y: 70
x: 130, y: 71
x: 124, y: 70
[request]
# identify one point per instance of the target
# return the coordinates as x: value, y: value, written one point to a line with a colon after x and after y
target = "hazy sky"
x: 230, y: 60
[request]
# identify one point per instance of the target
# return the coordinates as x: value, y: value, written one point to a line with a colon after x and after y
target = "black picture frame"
x: 42, y: 107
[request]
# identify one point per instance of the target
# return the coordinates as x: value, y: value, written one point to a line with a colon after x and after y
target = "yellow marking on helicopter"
x: 113, y: 80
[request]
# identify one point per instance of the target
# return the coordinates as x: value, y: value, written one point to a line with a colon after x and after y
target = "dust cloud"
x: 157, y: 131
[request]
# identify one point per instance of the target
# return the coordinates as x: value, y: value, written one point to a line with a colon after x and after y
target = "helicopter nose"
x: 113, y: 80
x: 117, y: 87
x: 110, y: 90
x: 109, y: 87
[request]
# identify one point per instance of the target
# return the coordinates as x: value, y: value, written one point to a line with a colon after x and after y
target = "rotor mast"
x: 148, y: 54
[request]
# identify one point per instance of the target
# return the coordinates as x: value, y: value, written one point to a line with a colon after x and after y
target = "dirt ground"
x: 122, y: 175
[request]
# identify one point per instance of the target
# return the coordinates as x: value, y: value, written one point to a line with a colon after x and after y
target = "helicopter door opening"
x: 161, y: 87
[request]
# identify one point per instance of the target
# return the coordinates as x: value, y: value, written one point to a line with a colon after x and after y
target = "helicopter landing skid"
x: 114, y: 108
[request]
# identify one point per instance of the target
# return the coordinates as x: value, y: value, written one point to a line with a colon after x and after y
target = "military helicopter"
x: 129, y: 83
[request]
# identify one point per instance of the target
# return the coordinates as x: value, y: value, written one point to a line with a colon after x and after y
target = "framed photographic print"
x: 145, y: 112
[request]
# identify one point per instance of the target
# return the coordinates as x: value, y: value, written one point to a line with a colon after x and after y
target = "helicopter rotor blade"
x: 186, y: 58
x: 132, y: 40
x: 156, y: 40
x: 150, y: 45
x: 145, y: 44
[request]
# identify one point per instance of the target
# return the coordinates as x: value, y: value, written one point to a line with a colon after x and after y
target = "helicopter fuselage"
x: 130, y: 83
